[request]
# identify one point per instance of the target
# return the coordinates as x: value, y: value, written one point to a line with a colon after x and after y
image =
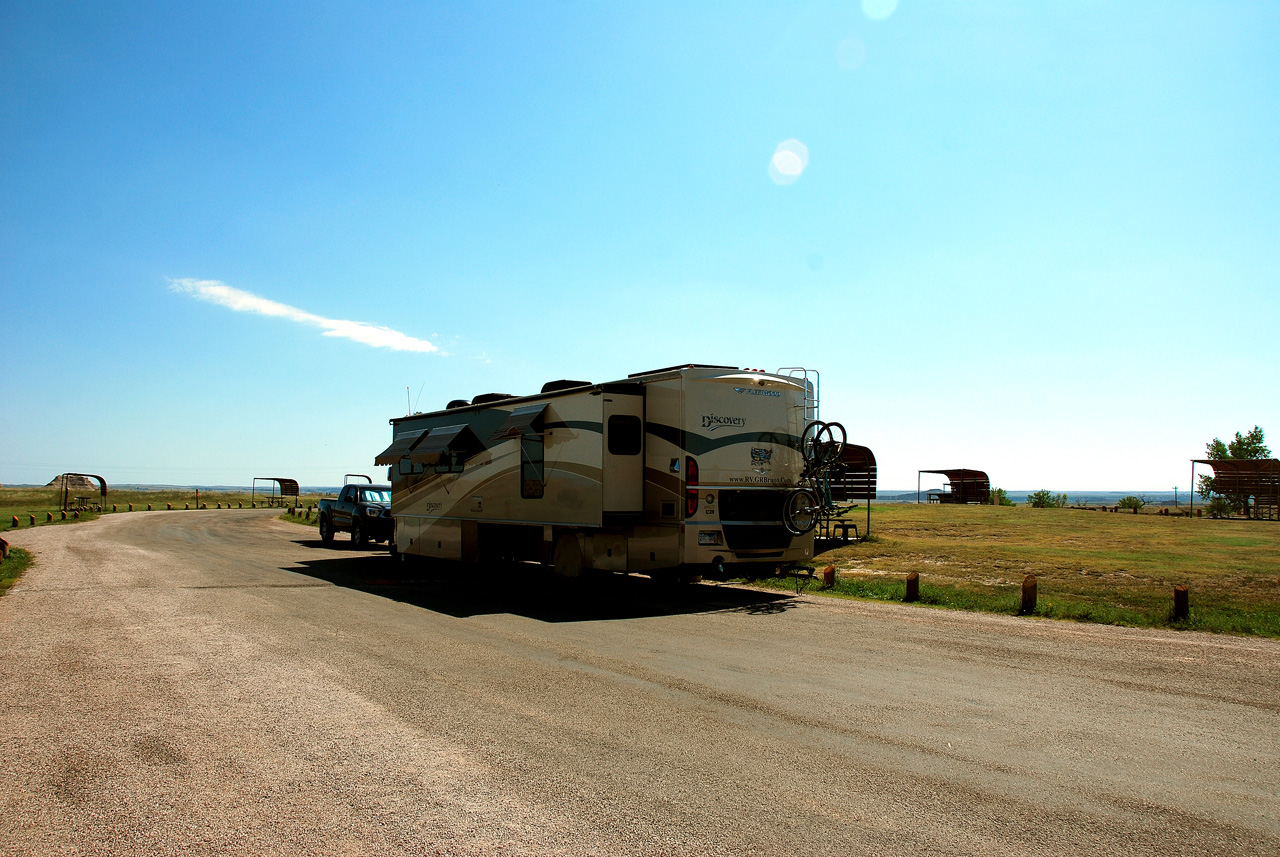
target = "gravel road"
x: 221, y: 683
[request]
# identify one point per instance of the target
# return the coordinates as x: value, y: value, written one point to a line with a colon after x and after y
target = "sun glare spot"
x: 788, y: 162
x: 878, y: 10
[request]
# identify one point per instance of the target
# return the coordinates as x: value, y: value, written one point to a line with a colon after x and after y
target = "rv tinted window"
x: 532, y: 467
x: 624, y: 435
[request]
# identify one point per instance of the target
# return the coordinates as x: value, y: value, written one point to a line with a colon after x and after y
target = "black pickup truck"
x: 362, y: 510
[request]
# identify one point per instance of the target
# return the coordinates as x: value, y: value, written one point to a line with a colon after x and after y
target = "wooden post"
x: 130, y: 507
x: 16, y: 523
x: 1028, y: 605
x: 828, y: 573
x: 113, y: 507
x: 1181, y: 603
x: 913, y: 587
x: 169, y: 506
x: 4, y: 549
x: 148, y: 507
x: 64, y: 514
x: 48, y: 516
x: 33, y: 520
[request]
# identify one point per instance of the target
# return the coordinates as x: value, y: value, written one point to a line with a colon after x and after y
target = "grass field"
x: 1090, y: 566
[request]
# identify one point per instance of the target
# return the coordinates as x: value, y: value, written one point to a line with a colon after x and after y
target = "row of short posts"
x: 1181, y: 595
x: 115, y: 507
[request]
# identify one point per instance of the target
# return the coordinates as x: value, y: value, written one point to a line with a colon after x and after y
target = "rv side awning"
x: 399, y: 447
x: 459, y: 438
x: 523, y: 420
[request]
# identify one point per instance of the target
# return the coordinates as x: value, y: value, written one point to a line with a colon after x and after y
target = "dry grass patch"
x: 1095, y: 566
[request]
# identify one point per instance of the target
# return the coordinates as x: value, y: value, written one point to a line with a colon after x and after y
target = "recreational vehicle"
x: 682, y: 470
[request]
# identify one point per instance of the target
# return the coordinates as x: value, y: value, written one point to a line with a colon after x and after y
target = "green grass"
x: 12, y: 568
x: 1116, y: 569
x: 312, y: 521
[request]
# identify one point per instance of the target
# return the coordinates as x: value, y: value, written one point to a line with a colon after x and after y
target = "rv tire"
x: 567, y: 560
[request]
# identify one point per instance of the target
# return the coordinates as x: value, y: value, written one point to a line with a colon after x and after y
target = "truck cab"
x: 364, y: 511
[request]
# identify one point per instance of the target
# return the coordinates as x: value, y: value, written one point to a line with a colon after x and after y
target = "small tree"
x: 1132, y: 502
x: 1045, y: 499
x: 999, y: 497
x: 1249, y: 447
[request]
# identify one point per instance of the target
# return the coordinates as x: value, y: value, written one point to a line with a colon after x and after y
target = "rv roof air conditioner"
x: 486, y: 398
x: 553, y: 386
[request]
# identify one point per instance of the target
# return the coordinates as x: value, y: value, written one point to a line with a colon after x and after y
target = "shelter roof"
x: 961, y: 474
x: 1241, y: 465
x: 288, y: 487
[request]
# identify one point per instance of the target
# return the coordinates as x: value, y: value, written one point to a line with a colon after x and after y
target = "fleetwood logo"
x: 756, y: 391
x: 714, y: 422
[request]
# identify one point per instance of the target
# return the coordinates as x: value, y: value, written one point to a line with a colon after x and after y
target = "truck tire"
x: 357, y: 535
x: 326, y: 530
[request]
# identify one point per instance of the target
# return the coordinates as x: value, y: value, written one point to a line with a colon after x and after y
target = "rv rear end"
x: 737, y: 449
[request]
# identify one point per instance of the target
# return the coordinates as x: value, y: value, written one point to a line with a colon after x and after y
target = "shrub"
x: 1220, y: 507
x: 1044, y: 499
x: 1132, y: 502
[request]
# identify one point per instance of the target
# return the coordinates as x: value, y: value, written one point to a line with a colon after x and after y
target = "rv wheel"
x: 568, y: 556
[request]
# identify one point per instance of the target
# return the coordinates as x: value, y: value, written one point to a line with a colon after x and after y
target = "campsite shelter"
x: 1255, y: 478
x: 962, y: 486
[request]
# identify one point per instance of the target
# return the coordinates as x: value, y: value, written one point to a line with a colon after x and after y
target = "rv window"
x: 408, y: 467
x: 532, y: 483
x: 625, y: 435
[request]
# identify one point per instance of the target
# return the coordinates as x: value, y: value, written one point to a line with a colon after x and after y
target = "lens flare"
x: 788, y: 162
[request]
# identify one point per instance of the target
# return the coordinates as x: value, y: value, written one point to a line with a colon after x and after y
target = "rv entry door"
x: 622, y: 471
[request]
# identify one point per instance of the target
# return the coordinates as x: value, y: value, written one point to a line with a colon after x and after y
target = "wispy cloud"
x: 242, y: 301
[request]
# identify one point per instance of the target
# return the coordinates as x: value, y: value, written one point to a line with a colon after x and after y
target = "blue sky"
x: 1036, y: 238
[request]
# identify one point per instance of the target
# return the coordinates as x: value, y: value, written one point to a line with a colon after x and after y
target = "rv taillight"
x: 690, y: 487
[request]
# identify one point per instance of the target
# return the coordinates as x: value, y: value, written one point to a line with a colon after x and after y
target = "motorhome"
x: 688, y: 469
